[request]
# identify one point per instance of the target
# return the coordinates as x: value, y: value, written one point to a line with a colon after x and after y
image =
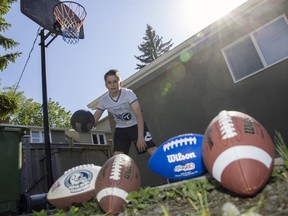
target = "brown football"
x: 118, y: 176
x: 238, y: 152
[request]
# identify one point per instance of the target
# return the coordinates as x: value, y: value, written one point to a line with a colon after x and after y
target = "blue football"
x: 179, y: 157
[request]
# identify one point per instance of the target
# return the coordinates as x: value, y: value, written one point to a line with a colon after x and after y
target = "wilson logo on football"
x: 180, y: 157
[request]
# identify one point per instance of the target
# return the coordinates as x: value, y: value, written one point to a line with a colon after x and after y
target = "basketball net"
x: 70, y: 16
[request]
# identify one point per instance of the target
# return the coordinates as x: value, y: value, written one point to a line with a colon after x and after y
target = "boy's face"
x: 113, y: 84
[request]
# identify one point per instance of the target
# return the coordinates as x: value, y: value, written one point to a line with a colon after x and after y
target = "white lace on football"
x: 116, y: 167
x: 182, y: 141
x: 226, y: 125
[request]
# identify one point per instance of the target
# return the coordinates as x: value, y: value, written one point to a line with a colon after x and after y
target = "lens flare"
x: 166, y: 88
x: 176, y: 73
x: 185, y: 57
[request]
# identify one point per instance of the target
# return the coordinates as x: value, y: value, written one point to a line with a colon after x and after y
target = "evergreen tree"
x: 152, y: 47
x: 6, y: 43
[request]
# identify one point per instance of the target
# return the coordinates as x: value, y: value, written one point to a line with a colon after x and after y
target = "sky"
x: 113, y: 29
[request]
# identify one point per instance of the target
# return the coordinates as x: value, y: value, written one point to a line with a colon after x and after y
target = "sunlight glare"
x: 201, y: 13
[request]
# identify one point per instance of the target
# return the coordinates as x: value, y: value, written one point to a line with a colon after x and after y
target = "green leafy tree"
x: 152, y: 47
x: 8, y: 105
x: 6, y: 43
x: 58, y: 116
x: 29, y: 112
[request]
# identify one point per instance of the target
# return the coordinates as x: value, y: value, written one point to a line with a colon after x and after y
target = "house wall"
x: 202, y: 87
x: 185, y: 98
x: 85, y: 138
x: 58, y: 136
x: 104, y: 125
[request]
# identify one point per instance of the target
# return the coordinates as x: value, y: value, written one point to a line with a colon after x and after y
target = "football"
x: 82, y: 121
x: 179, y: 157
x: 118, y: 176
x: 75, y: 186
x: 238, y: 152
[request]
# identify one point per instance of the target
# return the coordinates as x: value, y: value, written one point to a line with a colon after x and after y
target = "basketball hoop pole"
x: 49, y: 14
x: 50, y: 180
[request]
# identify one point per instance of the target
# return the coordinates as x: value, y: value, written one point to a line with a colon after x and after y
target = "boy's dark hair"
x: 112, y: 72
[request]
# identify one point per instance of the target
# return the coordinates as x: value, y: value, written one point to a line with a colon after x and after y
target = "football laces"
x: 226, y: 125
x: 116, y: 168
x: 179, y: 142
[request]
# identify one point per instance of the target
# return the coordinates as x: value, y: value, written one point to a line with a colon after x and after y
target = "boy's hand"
x: 141, y: 144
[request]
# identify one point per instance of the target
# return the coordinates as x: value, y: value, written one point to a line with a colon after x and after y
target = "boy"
x: 123, y: 104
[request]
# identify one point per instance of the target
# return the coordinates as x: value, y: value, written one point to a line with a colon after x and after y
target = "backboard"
x: 41, y: 12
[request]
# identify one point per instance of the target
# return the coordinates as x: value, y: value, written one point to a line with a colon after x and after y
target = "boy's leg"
x: 122, y: 141
x: 152, y: 150
x: 151, y: 146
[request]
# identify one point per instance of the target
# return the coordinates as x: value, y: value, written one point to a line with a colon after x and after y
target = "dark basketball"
x: 82, y: 121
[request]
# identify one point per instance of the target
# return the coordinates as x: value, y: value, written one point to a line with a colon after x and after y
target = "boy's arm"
x: 141, y: 144
x: 97, y: 115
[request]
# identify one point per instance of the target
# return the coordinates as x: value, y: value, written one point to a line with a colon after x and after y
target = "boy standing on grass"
x: 123, y: 104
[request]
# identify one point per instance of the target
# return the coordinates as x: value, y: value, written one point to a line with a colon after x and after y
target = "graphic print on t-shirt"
x: 124, y: 116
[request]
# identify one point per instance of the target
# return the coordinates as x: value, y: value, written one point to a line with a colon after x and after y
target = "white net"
x: 70, y: 16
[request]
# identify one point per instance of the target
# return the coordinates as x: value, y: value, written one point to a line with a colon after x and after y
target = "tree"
x: 6, y: 43
x: 7, y: 106
x: 29, y: 112
x: 152, y: 47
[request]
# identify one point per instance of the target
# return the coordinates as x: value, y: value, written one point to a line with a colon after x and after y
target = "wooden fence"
x: 63, y: 157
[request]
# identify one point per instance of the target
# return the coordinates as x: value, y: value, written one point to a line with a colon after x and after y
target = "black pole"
x: 45, y: 113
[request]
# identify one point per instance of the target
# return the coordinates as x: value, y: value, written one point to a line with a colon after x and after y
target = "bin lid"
x: 13, y: 128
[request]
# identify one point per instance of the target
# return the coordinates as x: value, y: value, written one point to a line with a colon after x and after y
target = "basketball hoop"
x: 70, y: 16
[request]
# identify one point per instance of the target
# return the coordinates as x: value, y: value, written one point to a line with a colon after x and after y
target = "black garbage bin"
x: 10, y: 168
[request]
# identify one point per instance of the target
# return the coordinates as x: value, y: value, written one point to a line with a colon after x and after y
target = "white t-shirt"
x: 120, y: 107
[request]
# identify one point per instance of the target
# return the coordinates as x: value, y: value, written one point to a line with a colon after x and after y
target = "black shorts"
x: 124, y: 136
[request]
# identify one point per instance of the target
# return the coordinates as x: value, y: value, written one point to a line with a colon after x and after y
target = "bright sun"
x: 201, y: 13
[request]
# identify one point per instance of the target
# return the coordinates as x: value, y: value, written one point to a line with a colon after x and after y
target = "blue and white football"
x: 179, y: 158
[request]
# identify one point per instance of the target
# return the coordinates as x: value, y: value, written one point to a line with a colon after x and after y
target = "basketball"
x: 82, y: 121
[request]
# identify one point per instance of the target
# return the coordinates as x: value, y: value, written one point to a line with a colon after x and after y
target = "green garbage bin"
x: 10, y: 169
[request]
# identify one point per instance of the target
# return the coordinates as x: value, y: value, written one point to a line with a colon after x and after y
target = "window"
x: 99, y: 139
x: 260, y: 49
x: 37, y: 136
